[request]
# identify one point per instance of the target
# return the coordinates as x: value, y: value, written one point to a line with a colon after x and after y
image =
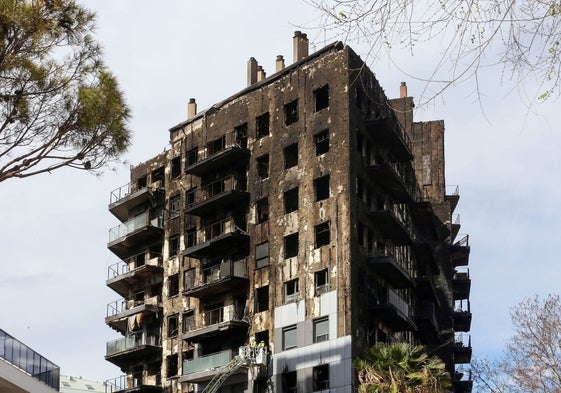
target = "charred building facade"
x: 286, y: 229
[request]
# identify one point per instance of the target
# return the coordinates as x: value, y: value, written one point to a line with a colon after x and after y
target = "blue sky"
x: 56, y: 226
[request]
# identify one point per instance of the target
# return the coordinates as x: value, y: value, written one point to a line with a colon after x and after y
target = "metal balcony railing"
x: 218, y: 187
x: 461, y: 273
x: 207, y: 362
x: 133, y: 263
x: 230, y: 139
x: 138, y: 222
x: 401, y: 305
x: 462, y: 305
x: 21, y: 356
x: 131, y: 342
x: 217, y: 229
x: 125, y: 382
x: 462, y: 340
x: 217, y: 272
x: 125, y: 304
x: 217, y: 315
x: 463, y: 242
x: 452, y: 190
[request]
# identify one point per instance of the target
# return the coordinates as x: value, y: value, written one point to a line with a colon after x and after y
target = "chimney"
x: 191, y: 108
x: 251, y: 71
x: 403, y: 90
x: 260, y: 73
x: 279, y: 63
x: 300, y: 46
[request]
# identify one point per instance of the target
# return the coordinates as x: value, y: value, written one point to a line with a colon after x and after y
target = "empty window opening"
x: 320, y: 376
x: 321, y: 329
x: 262, y: 255
x: 216, y: 145
x: 360, y: 234
x: 262, y: 207
x: 321, y: 281
x: 174, y: 206
x: 188, y: 321
x: 190, y: 197
x: 291, y: 156
x: 173, y: 285
x: 189, y: 279
x: 291, y: 291
x: 158, y: 176
x: 262, y: 299
x: 262, y: 337
x: 172, y: 364
x: 291, y: 200
x: 141, y: 183
x: 262, y: 125
x: 321, y: 188
x: 173, y: 325
x: 291, y: 112
x: 175, y: 167
x: 191, y: 237
x: 241, y: 135
x: 263, y: 166
x: 291, y: 245
x: 173, y: 245
x: 321, y: 97
x: 321, y: 140
x: 289, y: 338
x: 192, y: 156
x: 322, y: 234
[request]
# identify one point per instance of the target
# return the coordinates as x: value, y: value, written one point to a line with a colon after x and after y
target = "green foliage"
x: 59, y: 105
x: 400, y: 368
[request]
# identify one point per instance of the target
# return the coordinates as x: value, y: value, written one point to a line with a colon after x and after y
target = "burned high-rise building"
x: 287, y: 228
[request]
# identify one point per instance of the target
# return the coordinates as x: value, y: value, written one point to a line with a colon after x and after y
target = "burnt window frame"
x: 172, y: 363
x: 173, y: 327
x: 291, y: 290
x: 188, y: 320
x: 263, y: 167
x: 262, y: 125
x: 173, y: 285
x: 290, y: 155
x: 262, y: 210
x: 173, y: 246
x: 321, y: 98
x: 320, y: 186
x: 262, y: 299
x: 175, y: 167
x: 191, y: 156
x: 321, y: 281
x: 174, y: 206
x: 291, y: 245
x: 321, y: 142
x: 262, y: 260
x: 291, y: 112
x: 322, y: 234
x: 290, y: 200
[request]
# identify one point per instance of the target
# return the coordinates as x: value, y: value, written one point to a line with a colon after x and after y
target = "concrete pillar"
x: 251, y: 71
x: 191, y: 108
x: 279, y: 64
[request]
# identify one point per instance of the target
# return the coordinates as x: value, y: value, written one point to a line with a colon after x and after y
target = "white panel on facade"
x: 328, y: 303
x: 290, y: 314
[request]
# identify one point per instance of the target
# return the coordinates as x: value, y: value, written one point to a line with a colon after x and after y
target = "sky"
x: 55, y: 227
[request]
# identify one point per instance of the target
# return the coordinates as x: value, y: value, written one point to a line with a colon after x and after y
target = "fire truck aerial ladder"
x: 248, y: 356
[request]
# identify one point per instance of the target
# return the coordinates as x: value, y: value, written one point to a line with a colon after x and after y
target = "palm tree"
x: 401, y: 368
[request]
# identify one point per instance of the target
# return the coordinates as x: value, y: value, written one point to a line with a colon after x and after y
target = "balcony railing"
x: 21, y: 356
x: 132, y: 342
x: 135, y: 262
x: 218, y: 272
x: 207, y: 362
x: 217, y: 315
x: 133, y: 383
x: 463, y: 242
x: 138, y: 222
x: 128, y: 303
x: 229, y: 190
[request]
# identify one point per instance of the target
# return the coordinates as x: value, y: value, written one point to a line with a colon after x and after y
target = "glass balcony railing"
x: 207, y: 362
x: 131, y: 342
x: 21, y: 356
x: 140, y: 221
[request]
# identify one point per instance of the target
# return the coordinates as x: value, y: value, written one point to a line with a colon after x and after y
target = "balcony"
x: 462, y: 316
x: 461, y: 285
x: 392, y: 224
x: 463, y: 382
x: 124, y: 275
x: 386, y: 131
x: 227, y: 276
x: 455, y: 227
x: 227, y: 191
x: 393, y: 311
x: 462, y: 349
x: 396, y: 179
x: 427, y: 324
x: 228, y: 150
x: 203, y: 368
x: 131, y: 311
x: 143, y: 228
x: 136, y: 347
x: 21, y: 356
x: 219, y: 320
x: 220, y: 238
x: 134, y: 384
x: 460, y: 251
x: 453, y: 196
x: 124, y: 198
x: 385, y: 264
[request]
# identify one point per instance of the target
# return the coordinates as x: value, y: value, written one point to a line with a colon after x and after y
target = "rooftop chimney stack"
x: 260, y: 73
x: 403, y: 90
x: 191, y: 108
x: 251, y: 71
x: 300, y: 46
x: 279, y: 63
